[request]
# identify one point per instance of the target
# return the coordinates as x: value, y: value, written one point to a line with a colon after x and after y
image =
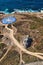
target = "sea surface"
x: 9, y: 6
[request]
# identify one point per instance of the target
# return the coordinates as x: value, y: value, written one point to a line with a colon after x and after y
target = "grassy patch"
x: 11, y: 59
x: 33, y: 26
x: 28, y: 58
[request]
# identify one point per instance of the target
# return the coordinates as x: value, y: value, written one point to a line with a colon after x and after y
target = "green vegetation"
x: 33, y: 26
x: 11, y: 59
x: 28, y: 58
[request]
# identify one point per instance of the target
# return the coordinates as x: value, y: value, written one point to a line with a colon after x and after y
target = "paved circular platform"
x: 8, y: 20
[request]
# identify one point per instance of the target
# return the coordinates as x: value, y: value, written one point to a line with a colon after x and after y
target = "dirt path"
x: 21, y: 47
x: 15, y: 42
x: 6, y: 53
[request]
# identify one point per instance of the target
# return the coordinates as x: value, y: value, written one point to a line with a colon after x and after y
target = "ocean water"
x: 9, y: 6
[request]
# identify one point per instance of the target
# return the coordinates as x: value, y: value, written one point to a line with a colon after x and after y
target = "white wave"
x: 6, y: 11
x: 42, y: 10
x: 22, y: 11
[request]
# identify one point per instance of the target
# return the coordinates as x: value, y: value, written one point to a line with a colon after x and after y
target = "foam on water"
x: 7, y: 11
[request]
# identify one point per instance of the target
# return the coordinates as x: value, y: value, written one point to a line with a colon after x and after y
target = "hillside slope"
x: 26, y: 24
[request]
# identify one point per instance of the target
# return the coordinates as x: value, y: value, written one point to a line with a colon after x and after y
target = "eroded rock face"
x: 27, y: 41
x: 5, y: 33
x: 1, y: 13
x: 1, y: 36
